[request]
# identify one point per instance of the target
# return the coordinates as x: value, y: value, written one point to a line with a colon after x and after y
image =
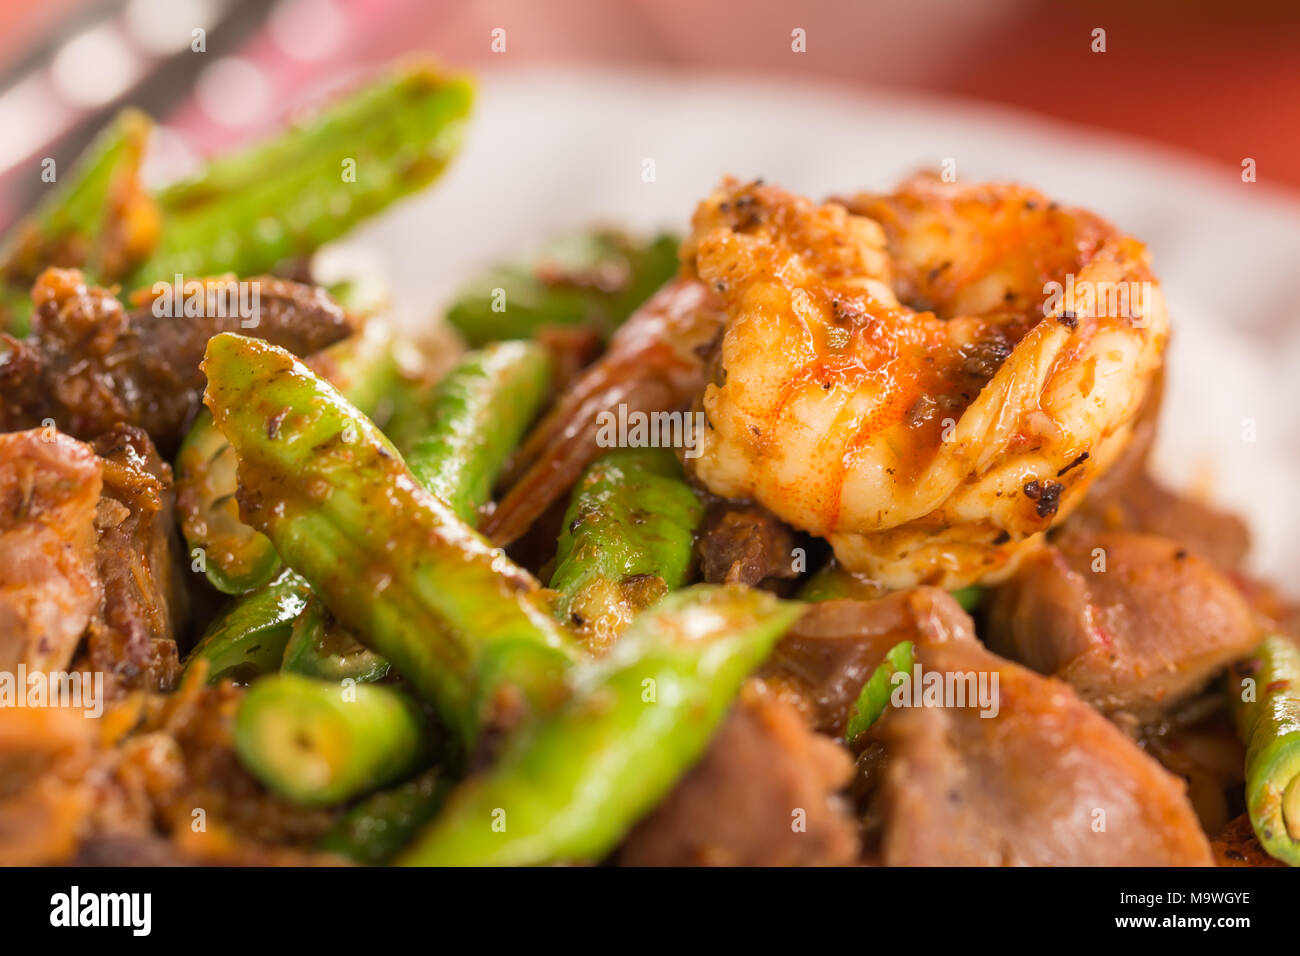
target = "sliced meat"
x: 765, y: 794
x: 138, y: 555
x: 1133, y: 622
x: 1047, y: 781
x: 745, y: 544
x: 824, y: 660
x: 49, y: 586
x: 89, y: 364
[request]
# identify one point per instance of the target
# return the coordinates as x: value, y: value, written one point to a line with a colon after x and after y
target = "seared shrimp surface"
x: 899, y: 374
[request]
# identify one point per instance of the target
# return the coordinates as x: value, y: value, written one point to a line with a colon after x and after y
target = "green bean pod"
x: 480, y: 410
x: 377, y: 828
x: 319, y: 647
x: 593, y: 279
x: 875, y: 693
x: 569, y: 787
x: 319, y: 743
x: 248, y: 639
x: 628, y: 539
x: 1264, y: 695
x: 96, y: 216
x: 458, y: 620
x: 238, y: 559
x: 249, y: 211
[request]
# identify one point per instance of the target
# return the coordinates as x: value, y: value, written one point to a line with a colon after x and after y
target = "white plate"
x: 551, y: 149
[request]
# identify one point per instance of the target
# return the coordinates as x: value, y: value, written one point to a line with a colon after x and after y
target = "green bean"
x: 459, y: 621
x: 593, y: 279
x: 96, y: 217
x: 319, y: 647
x: 249, y: 637
x: 569, y: 787
x: 319, y: 743
x: 628, y: 539
x: 247, y: 212
x: 238, y: 559
x: 1264, y: 694
x: 377, y: 828
x: 875, y: 694
x: 480, y: 411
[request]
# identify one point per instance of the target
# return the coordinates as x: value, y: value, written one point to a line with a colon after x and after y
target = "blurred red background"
x: 1221, y: 79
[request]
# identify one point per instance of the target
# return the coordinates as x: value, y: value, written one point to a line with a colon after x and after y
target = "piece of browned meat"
x: 154, y: 780
x: 1047, y: 781
x: 145, y: 602
x: 1141, y: 504
x: 89, y: 364
x: 745, y: 544
x: 765, y: 794
x: 1133, y: 622
x: 1127, y: 498
x: 826, y: 657
x: 49, y: 587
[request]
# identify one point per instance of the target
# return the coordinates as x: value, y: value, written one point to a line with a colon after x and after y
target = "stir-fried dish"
x: 820, y: 534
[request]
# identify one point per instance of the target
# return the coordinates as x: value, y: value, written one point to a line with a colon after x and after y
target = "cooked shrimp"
x: 899, y: 374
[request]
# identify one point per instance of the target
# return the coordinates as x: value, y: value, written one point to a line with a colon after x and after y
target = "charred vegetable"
x: 568, y: 788
x: 247, y: 212
x: 479, y: 412
x: 237, y: 558
x: 457, y: 619
x: 627, y: 541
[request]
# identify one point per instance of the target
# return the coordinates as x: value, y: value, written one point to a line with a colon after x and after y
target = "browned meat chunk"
x: 831, y: 651
x: 1141, y: 504
x: 133, y: 642
x: 89, y: 364
x: 1047, y: 781
x: 49, y: 588
x: 1133, y: 622
x: 745, y: 544
x: 154, y: 780
x: 765, y: 794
